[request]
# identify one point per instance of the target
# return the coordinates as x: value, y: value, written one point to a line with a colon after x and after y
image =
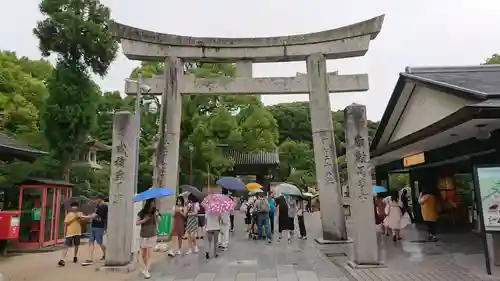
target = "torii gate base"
x: 314, y: 48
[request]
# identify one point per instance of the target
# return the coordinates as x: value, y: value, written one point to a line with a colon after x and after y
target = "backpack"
x: 262, y: 206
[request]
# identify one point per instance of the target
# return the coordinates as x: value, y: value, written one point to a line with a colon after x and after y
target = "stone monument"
x: 121, y: 191
x: 366, y: 248
x: 315, y: 48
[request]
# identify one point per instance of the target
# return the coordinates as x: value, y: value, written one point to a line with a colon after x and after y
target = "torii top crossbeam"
x: 348, y: 41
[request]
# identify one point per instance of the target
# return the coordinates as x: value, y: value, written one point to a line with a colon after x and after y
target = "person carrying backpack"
x: 262, y: 210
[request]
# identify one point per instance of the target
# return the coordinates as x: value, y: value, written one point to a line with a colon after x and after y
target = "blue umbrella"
x: 379, y: 189
x: 231, y: 183
x: 155, y: 192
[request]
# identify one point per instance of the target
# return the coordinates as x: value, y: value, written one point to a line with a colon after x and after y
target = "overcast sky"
x: 415, y: 33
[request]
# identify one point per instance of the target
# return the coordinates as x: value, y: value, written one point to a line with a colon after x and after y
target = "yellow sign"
x: 414, y: 160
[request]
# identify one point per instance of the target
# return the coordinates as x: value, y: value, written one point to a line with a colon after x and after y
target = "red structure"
x: 41, y: 205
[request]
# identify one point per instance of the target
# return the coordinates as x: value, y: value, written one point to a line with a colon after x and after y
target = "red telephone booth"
x: 41, y: 208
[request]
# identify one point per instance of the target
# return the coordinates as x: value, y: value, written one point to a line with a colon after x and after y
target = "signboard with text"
x: 488, y: 185
x: 414, y: 160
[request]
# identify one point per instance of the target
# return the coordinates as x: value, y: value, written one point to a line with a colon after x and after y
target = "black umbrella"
x: 193, y: 190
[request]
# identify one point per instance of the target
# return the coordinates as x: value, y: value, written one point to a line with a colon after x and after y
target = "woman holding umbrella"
x: 215, y: 205
x: 148, y: 219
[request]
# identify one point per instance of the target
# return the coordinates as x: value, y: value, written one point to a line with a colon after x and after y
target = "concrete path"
x: 248, y: 260
x: 43, y: 267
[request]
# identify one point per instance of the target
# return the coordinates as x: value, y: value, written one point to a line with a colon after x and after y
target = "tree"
x: 296, y: 145
x: 209, y: 123
x: 22, y: 92
x: 77, y: 32
x: 494, y: 59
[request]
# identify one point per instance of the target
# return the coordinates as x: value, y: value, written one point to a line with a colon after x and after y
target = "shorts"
x: 201, y: 221
x: 96, y: 235
x: 71, y: 241
x: 148, y: 242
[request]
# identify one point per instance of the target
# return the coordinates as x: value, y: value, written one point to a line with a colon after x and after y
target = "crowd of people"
x: 393, y: 213
x: 190, y: 221
x: 261, y: 211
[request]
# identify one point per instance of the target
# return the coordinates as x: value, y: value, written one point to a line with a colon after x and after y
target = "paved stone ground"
x: 248, y: 260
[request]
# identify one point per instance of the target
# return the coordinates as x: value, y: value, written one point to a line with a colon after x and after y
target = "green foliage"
x: 295, y: 138
x: 494, y: 59
x: 77, y: 30
x: 208, y: 124
x: 397, y: 181
x: 70, y: 110
x: 22, y: 91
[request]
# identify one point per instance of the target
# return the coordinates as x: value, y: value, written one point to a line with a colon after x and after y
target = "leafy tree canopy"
x: 77, y: 30
x: 494, y: 59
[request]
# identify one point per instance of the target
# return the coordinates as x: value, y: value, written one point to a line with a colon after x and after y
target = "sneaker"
x: 304, y: 238
x: 75, y: 259
x: 87, y: 262
x: 269, y: 241
x: 61, y: 263
x: 147, y: 275
x: 289, y: 240
x: 179, y: 253
x: 189, y: 252
x: 170, y: 253
x: 196, y: 250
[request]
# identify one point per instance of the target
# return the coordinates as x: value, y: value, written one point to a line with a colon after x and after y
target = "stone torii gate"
x: 314, y: 48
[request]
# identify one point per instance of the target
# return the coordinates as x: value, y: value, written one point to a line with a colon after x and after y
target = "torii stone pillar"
x: 325, y: 156
x: 121, y: 190
x: 366, y: 248
x: 170, y: 131
x: 343, y: 42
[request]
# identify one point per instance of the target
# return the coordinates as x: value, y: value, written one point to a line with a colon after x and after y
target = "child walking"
x: 73, y: 230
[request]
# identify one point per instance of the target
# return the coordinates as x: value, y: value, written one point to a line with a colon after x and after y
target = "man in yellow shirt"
x: 73, y: 230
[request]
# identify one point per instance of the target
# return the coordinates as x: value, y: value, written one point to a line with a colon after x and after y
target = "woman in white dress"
x: 394, y: 219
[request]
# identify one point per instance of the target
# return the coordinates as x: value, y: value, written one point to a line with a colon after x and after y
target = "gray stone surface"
x: 190, y: 85
x: 170, y: 131
x: 347, y: 41
x: 325, y: 157
x: 302, y: 261
x: 122, y: 190
x: 366, y: 250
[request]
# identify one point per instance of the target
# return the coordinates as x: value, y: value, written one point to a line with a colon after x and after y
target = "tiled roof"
x: 16, y: 147
x: 253, y: 158
x: 482, y: 80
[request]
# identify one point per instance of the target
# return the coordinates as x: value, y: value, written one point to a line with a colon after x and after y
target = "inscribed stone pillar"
x: 121, y: 190
x: 170, y: 131
x: 325, y: 156
x: 366, y: 250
